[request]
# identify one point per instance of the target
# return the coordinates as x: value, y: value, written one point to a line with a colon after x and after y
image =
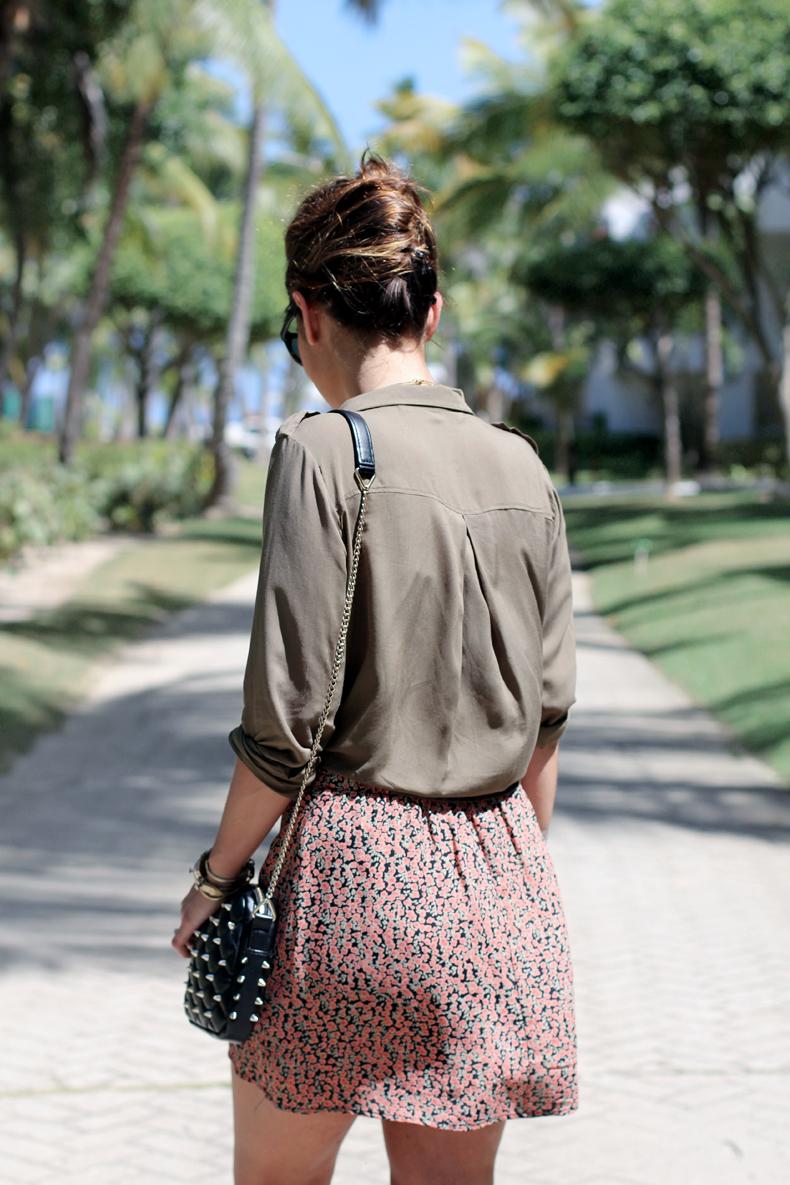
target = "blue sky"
x: 353, y: 64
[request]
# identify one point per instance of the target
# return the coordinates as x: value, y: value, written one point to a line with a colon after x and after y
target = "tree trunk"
x: 668, y: 391
x: 714, y: 362
x: 718, y: 276
x: 784, y: 382
x: 562, y: 443
x: 96, y: 301
x: 714, y: 377
x: 8, y: 12
x: 147, y: 373
x: 7, y: 351
x: 184, y: 374
x: 239, y: 324
x: 293, y: 390
x: 31, y: 370
x: 40, y: 329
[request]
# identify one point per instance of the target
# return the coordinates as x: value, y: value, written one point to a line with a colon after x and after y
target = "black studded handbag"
x: 232, y: 956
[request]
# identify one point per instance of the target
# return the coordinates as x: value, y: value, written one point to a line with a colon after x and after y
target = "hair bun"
x: 364, y: 246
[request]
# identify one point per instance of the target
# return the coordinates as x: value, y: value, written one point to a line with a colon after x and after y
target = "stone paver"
x: 672, y: 857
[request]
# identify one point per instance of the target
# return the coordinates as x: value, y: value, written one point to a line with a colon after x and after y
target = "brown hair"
x: 364, y: 248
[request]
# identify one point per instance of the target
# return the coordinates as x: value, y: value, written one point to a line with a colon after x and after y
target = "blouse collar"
x: 425, y: 395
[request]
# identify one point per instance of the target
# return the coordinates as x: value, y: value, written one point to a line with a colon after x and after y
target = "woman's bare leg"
x: 274, y: 1147
x: 429, y: 1156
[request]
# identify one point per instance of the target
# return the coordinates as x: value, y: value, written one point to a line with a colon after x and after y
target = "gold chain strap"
x: 364, y: 485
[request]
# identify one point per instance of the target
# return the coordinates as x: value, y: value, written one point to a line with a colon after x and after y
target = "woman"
x: 423, y: 972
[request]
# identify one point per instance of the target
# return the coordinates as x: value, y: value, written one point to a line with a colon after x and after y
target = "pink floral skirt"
x: 423, y: 972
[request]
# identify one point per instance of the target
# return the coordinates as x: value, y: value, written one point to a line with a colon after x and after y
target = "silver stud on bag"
x: 225, y: 905
x: 257, y: 1001
x: 231, y: 926
x: 214, y: 921
x: 253, y: 1017
x: 232, y: 1015
x: 261, y: 983
x: 204, y: 958
x: 216, y: 997
x: 237, y: 997
x: 266, y: 966
x: 222, y: 963
x: 244, y: 959
x: 209, y: 977
x: 239, y: 979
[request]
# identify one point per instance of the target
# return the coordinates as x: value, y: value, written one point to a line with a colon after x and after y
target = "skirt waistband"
x: 336, y: 780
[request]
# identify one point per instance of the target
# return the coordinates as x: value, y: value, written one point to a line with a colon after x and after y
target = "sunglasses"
x: 289, y: 336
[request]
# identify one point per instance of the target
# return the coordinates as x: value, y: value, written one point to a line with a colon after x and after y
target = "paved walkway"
x: 672, y: 856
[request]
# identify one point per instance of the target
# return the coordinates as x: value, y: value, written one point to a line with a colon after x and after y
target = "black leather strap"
x: 254, y: 971
x: 364, y: 460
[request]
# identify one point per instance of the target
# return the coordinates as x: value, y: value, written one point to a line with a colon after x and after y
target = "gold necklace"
x: 421, y: 382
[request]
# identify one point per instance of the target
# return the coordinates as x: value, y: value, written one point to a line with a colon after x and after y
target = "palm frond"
x: 244, y: 31
x: 369, y: 10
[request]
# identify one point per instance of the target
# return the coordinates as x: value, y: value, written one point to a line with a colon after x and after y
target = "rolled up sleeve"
x: 559, y: 637
x: 296, y: 619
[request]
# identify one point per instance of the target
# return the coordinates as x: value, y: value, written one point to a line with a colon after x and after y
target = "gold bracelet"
x: 216, y: 879
x: 210, y: 891
x: 225, y: 882
x: 219, y: 888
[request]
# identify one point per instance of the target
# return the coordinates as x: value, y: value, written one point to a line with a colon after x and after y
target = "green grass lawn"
x: 46, y: 663
x: 711, y: 606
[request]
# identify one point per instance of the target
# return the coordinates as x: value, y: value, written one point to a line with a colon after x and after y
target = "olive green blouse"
x: 461, y: 650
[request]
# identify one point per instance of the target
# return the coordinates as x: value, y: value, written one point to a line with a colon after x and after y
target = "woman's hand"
x: 195, y: 909
x: 251, y: 810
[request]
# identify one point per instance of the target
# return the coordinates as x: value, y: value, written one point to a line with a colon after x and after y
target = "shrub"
x: 140, y: 486
x: 134, y: 487
x: 41, y: 508
x: 599, y: 454
x: 743, y: 459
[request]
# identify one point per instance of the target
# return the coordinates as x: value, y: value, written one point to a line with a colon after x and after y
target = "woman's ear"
x: 434, y: 316
x: 310, y: 318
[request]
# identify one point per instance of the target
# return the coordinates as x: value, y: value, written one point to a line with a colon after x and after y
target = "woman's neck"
x: 379, y: 369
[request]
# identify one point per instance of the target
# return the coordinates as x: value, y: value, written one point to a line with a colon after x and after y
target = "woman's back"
x: 460, y: 654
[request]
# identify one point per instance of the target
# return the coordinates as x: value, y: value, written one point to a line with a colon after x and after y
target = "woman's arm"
x: 251, y: 810
x: 540, y: 782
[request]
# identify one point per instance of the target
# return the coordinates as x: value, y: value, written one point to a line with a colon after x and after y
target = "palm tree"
x: 157, y: 42
x: 252, y: 40
x: 157, y: 35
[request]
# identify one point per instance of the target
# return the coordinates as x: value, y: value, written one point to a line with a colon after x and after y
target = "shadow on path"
x: 103, y: 817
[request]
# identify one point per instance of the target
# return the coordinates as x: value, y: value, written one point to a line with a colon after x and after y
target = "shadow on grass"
x: 761, y: 715
x: 599, y: 530
x: 88, y: 628
x: 778, y: 572
x: 718, y: 582
x: 663, y: 648
x: 26, y: 710
x: 246, y: 532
